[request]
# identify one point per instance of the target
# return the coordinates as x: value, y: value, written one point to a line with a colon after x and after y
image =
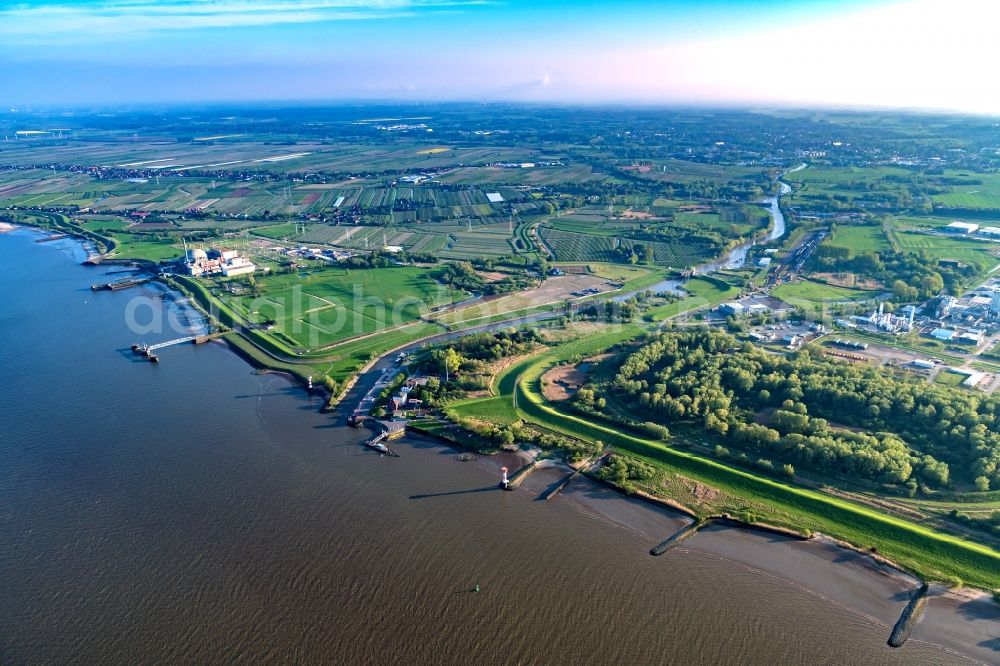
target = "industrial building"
x: 961, y: 228
x: 886, y: 322
x: 972, y: 377
x: 228, y: 263
x: 943, y: 334
x: 973, y: 336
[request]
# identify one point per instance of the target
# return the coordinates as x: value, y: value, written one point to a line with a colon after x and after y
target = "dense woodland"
x: 821, y: 415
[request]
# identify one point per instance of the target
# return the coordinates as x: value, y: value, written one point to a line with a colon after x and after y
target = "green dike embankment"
x: 61, y: 223
x: 928, y: 554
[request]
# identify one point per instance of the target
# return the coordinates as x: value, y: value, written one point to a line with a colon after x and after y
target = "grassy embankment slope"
x: 927, y: 553
x: 500, y: 409
x: 923, y: 551
x: 61, y: 223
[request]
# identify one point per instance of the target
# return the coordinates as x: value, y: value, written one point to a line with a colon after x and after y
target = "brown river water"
x: 194, y: 512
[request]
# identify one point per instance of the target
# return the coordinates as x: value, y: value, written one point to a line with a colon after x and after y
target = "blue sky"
x: 909, y: 53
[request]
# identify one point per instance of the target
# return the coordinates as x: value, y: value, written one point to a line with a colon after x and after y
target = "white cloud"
x: 146, y: 16
x: 912, y: 53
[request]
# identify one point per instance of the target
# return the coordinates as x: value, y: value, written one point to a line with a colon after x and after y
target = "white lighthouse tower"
x: 504, y: 483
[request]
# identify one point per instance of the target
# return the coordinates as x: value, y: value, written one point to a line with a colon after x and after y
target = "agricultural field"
x: 367, y: 237
x: 247, y: 152
x: 325, y: 306
x: 447, y: 241
x: 179, y: 193
x: 148, y: 248
x: 832, y: 188
x: 859, y: 239
x: 981, y: 254
x: 534, y: 177
x: 484, y: 241
x: 685, y: 171
x: 554, y: 293
x: 617, y: 272
x: 277, y: 231
x: 813, y: 294
x: 971, y: 191
x: 584, y: 247
x: 497, y: 409
x: 920, y: 222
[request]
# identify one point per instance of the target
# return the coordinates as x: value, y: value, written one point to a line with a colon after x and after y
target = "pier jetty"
x: 118, y: 285
x: 147, y: 350
x: 390, y: 430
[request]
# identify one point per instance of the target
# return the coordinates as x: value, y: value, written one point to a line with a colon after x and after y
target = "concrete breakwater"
x: 679, y: 536
x: 909, y: 618
x: 585, y: 467
x: 557, y: 488
x: 724, y: 519
x: 518, y: 477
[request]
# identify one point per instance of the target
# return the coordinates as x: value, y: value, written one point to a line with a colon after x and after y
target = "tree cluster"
x: 825, y: 416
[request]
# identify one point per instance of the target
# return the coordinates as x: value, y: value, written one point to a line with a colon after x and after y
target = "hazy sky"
x: 907, y: 53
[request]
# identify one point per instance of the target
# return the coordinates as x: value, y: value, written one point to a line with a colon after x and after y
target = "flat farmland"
x: 903, y: 222
x: 177, y: 193
x: 850, y: 187
x: 982, y: 191
x: 43, y: 187
x: 585, y: 247
x: 682, y: 171
x: 553, y: 291
x: 981, y: 254
x: 537, y: 176
x: 150, y: 248
x: 859, y: 239
x: 446, y: 240
x: 330, y: 305
x: 484, y: 241
x: 245, y: 152
x: 835, y: 175
x: 363, y: 237
x: 813, y: 294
